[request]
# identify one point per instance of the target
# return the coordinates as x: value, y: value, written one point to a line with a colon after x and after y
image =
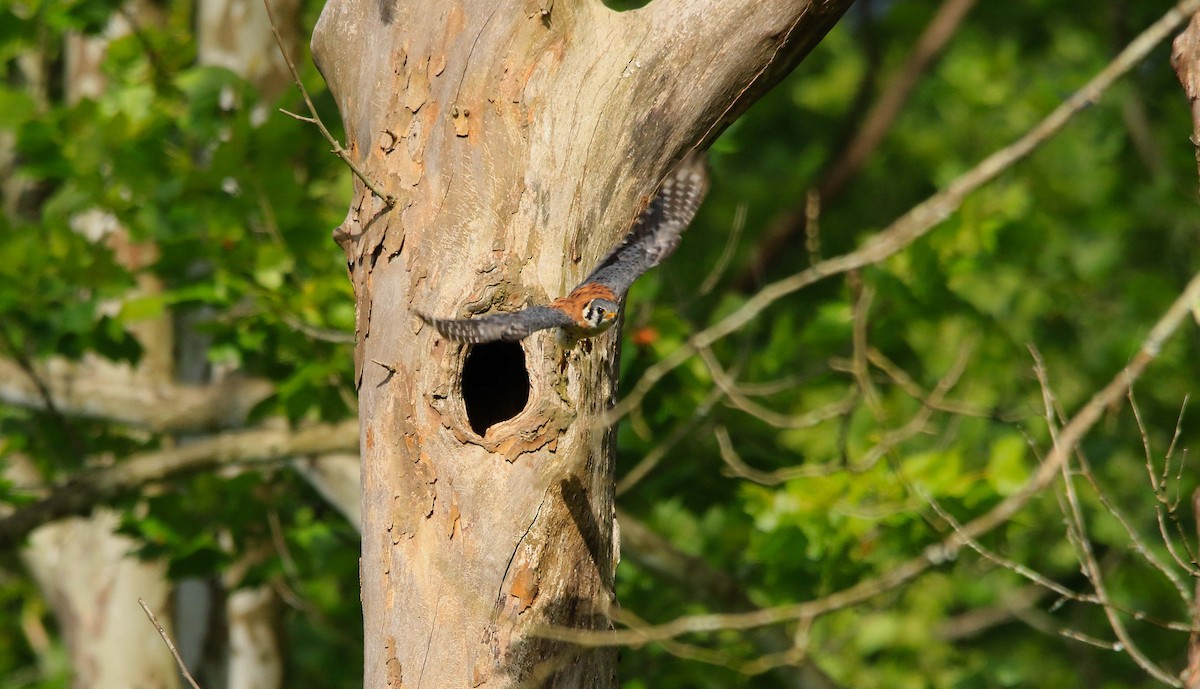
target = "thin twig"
x: 917, y: 222
x: 724, y: 381
x: 1065, y: 594
x: 860, y: 317
x: 731, y: 242
x: 388, y: 199
x: 1001, y: 561
x: 1158, y: 486
x: 43, y: 390
x: 910, y: 387
x: 170, y: 645
x: 1085, y: 469
x: 1136, y: 541
x: 1167, y: 508
x: 1091, y: 640
x: 1077, y: 534
x: 659, y: 452
x: 890, y: 440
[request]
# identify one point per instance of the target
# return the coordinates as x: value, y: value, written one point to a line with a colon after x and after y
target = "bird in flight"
x: 592, y: 307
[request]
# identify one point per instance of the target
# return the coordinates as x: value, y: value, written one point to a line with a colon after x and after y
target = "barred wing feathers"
x: 657, y: 231
x: 508, y: 327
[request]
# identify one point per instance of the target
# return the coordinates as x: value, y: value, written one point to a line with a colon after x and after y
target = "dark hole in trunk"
x: 495, y: 384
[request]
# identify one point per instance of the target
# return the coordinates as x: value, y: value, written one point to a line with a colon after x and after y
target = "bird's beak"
x: 610, y: 315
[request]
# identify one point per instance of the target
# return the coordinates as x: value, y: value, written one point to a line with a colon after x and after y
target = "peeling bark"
x: 520, y: 140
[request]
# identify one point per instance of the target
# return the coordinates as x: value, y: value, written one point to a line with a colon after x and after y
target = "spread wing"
x: 657, y: 231
x: 508, y: 327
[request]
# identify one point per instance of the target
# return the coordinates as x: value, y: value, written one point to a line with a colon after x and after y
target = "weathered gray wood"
x: 520, y: 145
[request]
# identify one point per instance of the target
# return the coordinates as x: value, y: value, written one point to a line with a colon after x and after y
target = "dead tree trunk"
x: 519, y: 138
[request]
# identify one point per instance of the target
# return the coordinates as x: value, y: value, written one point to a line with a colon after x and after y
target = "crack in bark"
x: 513, y: 556
x: 429, y: 643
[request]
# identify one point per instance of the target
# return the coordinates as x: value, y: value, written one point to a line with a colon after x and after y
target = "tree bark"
x: 1191, y: 675
x: 520, y: 139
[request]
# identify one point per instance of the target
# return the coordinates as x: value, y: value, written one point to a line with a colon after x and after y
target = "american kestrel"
x: 592, y: 307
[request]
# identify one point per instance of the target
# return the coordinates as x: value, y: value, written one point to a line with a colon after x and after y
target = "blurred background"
x: 169, y: 285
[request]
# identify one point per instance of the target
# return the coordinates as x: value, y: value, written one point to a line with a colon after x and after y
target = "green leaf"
x: 1006, y: 470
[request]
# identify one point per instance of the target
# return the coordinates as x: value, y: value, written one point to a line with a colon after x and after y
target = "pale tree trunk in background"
x: 236, y: 35
x: 92, y: 584
x: 520, y: 140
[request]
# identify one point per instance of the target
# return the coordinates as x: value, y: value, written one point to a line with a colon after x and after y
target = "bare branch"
x: 1015, y: 567
x: 738, y: 400
x: 170, y: 645
x: 1164, y: 510
x: 715, y: 588
x: 1139, y: 546
x: 1017, y: 605
x: 91, y: 488
x: 1091, y: 640
x: 890, y: 440
x: 656, y: 455
x: 1077, y: 534
x: 112, y: 392
x: 913, y: 390
x: 887, y: 107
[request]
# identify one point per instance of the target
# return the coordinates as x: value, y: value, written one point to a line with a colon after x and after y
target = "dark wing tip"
x: 463, y: 330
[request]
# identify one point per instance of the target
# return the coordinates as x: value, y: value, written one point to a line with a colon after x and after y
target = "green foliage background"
x: 1076, y: 251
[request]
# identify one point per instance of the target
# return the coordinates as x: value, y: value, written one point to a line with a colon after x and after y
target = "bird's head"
x: 600, y: 313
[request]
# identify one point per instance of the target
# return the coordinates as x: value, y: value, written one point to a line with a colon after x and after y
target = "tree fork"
x: 519, y: 139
